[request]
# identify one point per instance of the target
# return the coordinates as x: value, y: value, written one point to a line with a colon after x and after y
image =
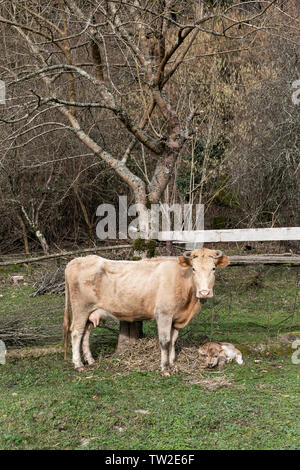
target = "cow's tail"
x: 67, y: 319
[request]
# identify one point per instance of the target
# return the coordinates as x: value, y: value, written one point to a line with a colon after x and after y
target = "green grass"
x: 250, y: 313
x: 45, y: 404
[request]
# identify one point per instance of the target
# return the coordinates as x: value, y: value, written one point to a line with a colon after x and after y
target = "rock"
x: 289, y: 337
x: 274, y: 348
x: 16, y: 280
x: 118, y: 428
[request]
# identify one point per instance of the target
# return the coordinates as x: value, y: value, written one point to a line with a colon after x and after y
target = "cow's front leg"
x: 86, y: 345
x: 172, y: 354
x: 164, y: 325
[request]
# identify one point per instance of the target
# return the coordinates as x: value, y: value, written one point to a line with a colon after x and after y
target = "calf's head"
x: 202, y: 264
x: 210, y: 354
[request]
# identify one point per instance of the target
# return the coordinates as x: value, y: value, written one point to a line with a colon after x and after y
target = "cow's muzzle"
x: 204, y: 294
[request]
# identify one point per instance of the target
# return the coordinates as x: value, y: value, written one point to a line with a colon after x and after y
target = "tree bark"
x: 25, y: 237
x: 40, y: 236
x: 85, y: 213
x: 169, y: 247
x: 129, y: 334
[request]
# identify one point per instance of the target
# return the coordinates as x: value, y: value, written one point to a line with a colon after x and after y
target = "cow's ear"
x: 184, y: 261
x: 222, y: 261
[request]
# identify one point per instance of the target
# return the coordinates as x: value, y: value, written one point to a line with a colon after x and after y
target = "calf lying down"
x: 214, y: 354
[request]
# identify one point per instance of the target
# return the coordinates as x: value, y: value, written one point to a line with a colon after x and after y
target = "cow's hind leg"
x: 77, y: 331
x: 172, y: 354
x: 164, y: 326
x: 86, y: 345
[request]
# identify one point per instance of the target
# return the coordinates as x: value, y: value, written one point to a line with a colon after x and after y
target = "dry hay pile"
x: 144, y: 356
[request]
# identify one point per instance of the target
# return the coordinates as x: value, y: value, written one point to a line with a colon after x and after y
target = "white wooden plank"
x: 232, y: 235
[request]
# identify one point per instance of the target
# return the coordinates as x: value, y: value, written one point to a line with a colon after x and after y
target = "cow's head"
x: 203, y: 264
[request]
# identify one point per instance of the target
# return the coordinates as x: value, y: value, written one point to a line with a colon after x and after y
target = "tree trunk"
x: 34, y: 227
x: 129, y: 334
x: 25, y: 237
x: 85, y: 213
x: 40, y: 236
x: 169, y: 247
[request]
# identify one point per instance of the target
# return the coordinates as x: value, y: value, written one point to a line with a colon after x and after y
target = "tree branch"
x: 109, y: 103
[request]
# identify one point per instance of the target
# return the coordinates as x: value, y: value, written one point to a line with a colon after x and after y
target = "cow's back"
x: 135, y: 289
x: 130, y: 290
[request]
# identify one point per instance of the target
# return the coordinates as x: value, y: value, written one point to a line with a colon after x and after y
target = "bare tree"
x: 115, y: 60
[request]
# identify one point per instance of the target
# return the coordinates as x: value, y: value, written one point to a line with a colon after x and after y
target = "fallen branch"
x: 264, y: 259
x: 252, y: 323
x: 34, y: 352
x: 63, y: 254
x: 274, y: 325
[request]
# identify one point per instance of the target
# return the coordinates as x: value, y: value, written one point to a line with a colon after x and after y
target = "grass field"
x: 45, y: 404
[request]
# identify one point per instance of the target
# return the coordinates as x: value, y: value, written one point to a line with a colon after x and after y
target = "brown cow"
x: 168, y: 290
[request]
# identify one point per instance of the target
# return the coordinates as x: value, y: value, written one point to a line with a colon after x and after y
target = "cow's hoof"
x: 166, y: 373
x: 92, y: 364
x: 80, y: 369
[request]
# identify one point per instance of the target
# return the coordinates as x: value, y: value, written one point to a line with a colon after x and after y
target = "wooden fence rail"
x: 231, y: 235
x: 235, y: 260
